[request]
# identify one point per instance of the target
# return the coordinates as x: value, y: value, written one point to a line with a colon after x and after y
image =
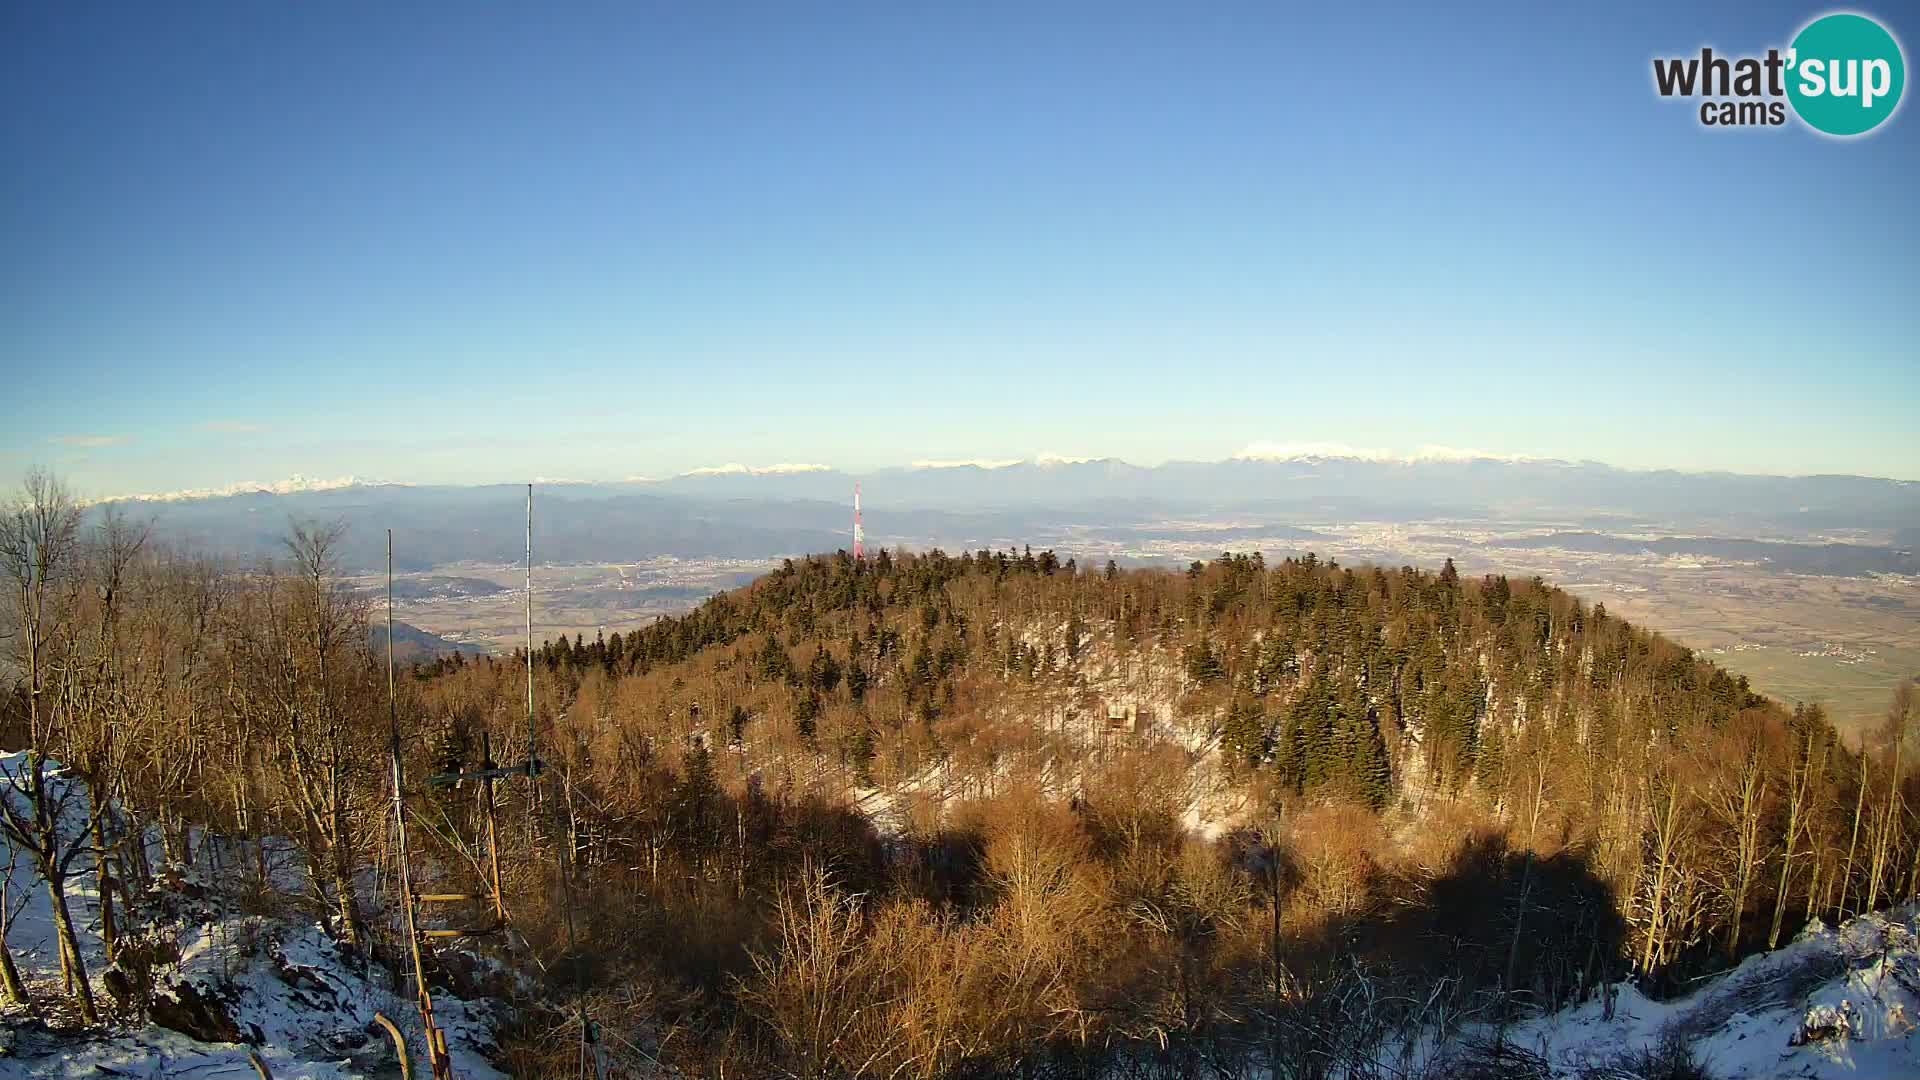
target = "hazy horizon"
x: 321, y: 479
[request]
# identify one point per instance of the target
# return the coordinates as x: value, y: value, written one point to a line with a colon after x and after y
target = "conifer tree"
x: 696, y: 799
x: 1203, y: 664
x: 1310, y: 722
x: 1245, y: 736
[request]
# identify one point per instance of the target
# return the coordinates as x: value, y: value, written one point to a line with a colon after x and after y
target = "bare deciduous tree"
x: 302, y: 677
x: 44, y: 814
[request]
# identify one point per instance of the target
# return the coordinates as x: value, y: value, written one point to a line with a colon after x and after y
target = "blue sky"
x: 463, y: 244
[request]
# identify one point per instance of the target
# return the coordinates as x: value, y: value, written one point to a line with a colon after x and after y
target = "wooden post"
x: 259, y: 1066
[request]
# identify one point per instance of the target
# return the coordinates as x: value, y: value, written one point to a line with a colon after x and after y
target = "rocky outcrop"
x: 192, y: 1011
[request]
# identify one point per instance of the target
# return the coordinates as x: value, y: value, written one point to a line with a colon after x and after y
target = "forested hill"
x: 1311, y: 675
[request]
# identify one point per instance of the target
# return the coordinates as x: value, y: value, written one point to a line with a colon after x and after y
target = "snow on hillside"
x: 239, y: 980
x: 1334, y: 451
x: 1835, y: 1003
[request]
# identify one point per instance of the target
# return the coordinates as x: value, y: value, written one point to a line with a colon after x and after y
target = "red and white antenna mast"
x: 859, y: 534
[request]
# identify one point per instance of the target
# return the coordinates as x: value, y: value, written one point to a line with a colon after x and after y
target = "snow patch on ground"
x: 1835, y: 1003
x: 305, y: 1005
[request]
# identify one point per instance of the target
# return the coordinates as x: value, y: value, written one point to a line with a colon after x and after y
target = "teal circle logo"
x: 1845, y: 73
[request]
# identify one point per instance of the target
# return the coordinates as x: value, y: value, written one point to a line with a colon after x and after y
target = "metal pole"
x: 393, y: 713
x: 530, y: 743
x: 532, y: 766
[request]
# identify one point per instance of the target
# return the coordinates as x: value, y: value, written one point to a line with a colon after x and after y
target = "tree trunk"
x: 1736, y: 919
x: 1814, y: 885
x: 10, y: 984
x: 70, y: 944
x: 176, y: 840
x: 1797, y: 793
x: 1859, y: 805
x: 1513, y: 945
x: 103, y: 875
x: 135, y: 862
x: 1753, y: 798
x: 1889, y: 820
x: 350, y: 926
x: 1780, y: 896
x: 1665, y: 844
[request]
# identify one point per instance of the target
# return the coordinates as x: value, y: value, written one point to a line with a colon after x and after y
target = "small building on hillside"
x: 1125, y: 717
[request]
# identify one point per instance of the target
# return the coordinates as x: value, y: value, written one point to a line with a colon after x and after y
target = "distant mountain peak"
x: 968, y: 463
x: 292, y: 485
x: 734, y: 468
x: 1042, y: 461
x: 1333, y: 451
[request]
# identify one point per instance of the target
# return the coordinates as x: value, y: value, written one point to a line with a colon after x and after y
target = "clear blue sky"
x: 459, y: 243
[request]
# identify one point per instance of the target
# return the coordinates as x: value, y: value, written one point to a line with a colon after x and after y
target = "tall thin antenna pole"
x: 530, y: 743
x: 393, y: 709
x: 859, y: 533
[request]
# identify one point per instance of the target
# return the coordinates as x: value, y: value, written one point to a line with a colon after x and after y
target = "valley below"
x: 484, y: 607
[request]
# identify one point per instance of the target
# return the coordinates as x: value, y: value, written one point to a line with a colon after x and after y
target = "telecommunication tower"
x: 859, y: 534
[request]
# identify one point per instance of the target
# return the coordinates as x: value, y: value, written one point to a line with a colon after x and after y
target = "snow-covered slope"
x: 276, y: 985
x: 1835, y: 1003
